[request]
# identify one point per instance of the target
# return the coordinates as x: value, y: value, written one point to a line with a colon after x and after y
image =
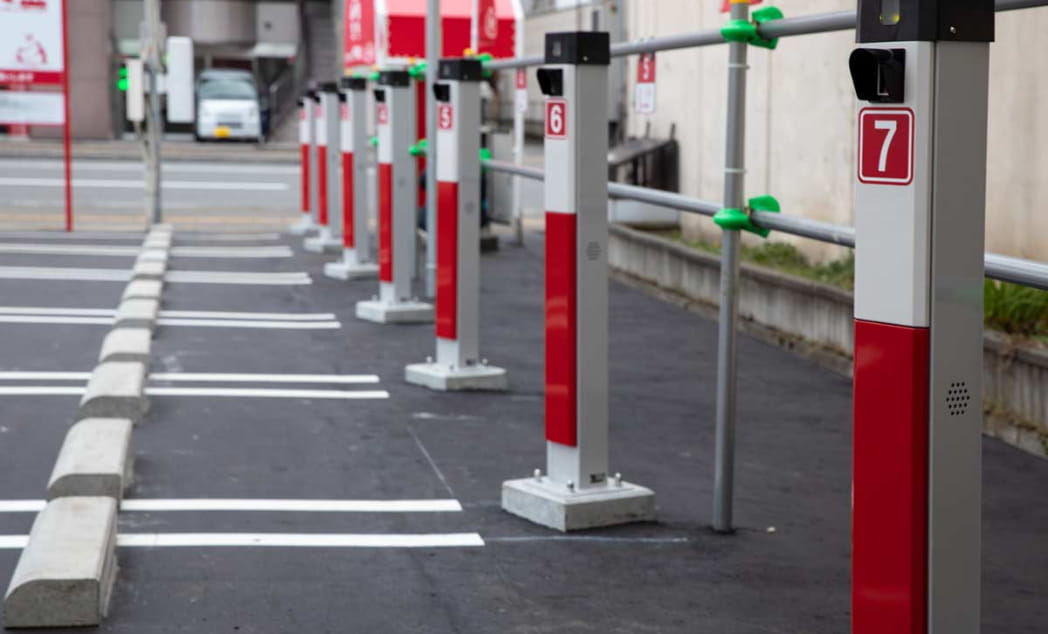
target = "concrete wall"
x: 800, y: 120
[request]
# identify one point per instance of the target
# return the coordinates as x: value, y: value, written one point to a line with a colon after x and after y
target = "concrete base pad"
x: 551, y: 504
x: 342, y: 270
x: 302, y: 227
x: 446, y: 379
x: 322, y: 244
x: 95, y: 460
x: 399, y: 313
x: 65, y: 574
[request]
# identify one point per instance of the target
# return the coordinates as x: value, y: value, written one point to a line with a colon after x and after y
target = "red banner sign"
x: 359, y: 33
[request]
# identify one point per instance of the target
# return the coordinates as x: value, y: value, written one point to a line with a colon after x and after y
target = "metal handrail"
x: 998, y: 267
x: 786, y: 27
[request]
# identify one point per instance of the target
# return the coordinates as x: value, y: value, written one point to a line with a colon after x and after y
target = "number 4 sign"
x: 886, y: 146
x: 556, y: 119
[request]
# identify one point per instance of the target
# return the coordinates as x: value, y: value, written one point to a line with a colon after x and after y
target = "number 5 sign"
x: 556, y: 119
x: 445, y: 118
x: 886, y: 146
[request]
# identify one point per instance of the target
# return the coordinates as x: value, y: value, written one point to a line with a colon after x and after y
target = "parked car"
x: 229, y: 106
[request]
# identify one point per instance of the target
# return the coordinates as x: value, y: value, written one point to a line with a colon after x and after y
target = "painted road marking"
x: 249, y: 505
x: 99, y: 183
x: 138, y: 236
x: 123, y: 275
x: 133, y: 166
x: 226, y: 392
x: 201, y: 323
x: 201, y: 377
x: 130, y: 252
x: 281, y: 540
x: 188, y: 314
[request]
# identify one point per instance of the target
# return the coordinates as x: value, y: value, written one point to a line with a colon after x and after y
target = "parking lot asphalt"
x: 361, y: 434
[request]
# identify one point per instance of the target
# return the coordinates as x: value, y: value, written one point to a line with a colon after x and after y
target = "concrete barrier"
x: 143, y: 289
x: 116, y: 390
x: 148, y: 270
x: 95, y: 460
x: 65, y: 574
x: 137, y: 313
x: 127, y: 344
x: 152, y: 254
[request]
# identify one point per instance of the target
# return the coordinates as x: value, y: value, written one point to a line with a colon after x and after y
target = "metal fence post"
x: 734, y: 181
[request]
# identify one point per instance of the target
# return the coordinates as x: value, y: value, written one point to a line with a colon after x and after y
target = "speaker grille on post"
x: 957, y: 398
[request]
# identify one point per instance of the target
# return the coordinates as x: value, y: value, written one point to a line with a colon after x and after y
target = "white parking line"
x: 123, y: 275
x: 249, y: 505
x: 231, y: 323
x: 201, y: 377
x: 187, y: 314
x: 100, y: 183
x: 281, y: 540
x: 251, y: 392
x: 130, y: 252
x: 42, y: 319
x: 137, y: 236
x: 224, y: 392
x: 136, y: 166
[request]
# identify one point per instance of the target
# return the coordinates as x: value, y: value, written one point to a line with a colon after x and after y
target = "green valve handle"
x: 739, y: 220
x: 743, y: 31
x: 419, y: 149
x: 373, y: 141
x: 418, y: 71
x: 485, y: 154
x: 374, y: 75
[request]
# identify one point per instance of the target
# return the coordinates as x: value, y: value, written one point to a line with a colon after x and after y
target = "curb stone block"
x: 116, y: 390
x: 95, y: 460
x: 127, y: 344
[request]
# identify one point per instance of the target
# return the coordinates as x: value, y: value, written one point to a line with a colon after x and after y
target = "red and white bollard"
x: 921, y: 78
x: 458, y: 364
x: 327, y: 127
x: 577, y: 492
x: 356, y: 262
x: 397, y: 196
x: 307, y: 147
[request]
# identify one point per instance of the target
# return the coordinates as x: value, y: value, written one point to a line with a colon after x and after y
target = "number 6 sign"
x: 556, y: 119
x: 886, y: 146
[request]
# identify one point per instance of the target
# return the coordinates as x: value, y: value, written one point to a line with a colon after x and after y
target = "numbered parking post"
x: 920, y: 74
x: 306, y: 223
x: 329, y: 238
x: 458, y: 364
x: 577, y: 491
x: 356, y: 262
x: 397, y: 196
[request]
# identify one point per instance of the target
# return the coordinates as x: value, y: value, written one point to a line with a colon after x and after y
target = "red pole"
x: 66, y: 143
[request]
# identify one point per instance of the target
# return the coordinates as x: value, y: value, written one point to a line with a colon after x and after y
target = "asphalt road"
x: 109, y: 194
x: 785, y: 571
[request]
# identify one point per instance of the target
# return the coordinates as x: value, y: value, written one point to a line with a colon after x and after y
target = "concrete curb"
x: 143, y: 289
x: 148, y: 270
x: 154, y: 254
x: 116, y: 390
x: 95, y: 460
x: 137, y: 313
x: 127, y: 344
x: 65, y: 574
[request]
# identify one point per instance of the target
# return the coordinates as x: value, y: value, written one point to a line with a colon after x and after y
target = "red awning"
x: 402, y: 28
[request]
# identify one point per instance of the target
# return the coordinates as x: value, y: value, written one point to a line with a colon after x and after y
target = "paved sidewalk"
x: 786, y: 570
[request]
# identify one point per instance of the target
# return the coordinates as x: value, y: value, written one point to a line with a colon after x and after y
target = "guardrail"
x: 998, y: 267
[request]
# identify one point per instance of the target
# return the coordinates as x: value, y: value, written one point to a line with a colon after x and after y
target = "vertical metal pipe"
x: 734, y: 182
x: 433, y: 45
x: 154, y: 69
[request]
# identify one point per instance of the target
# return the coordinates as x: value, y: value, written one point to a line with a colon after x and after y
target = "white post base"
x: 446, y: 378
x: 343, y: 270
x: 323, y: 242
x: 552, y: 504
x: 303, y: 226
x: 395, y: 313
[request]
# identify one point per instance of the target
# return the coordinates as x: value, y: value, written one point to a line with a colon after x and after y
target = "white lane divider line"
x: 199, y: 377
x: 260, y: 505
x: 108, y: 183
x: 203, y: 167
x: 222, y: 392
x: 249, y: 392
x: 189, y: 314
x: 122, y: 275
x: 281, y: 540
x: 232, y: 323
x: 46, y: 319
x: 130, y: 252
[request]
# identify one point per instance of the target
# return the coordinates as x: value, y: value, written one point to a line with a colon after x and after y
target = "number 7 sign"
x: 886, y: 146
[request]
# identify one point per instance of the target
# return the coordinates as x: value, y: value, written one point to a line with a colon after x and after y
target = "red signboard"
x: 886, y: 146
x: 487, y: 24
x: 556, y: 119
x: 32, y: 41
x: 445, y: 119
x: 359, y: 33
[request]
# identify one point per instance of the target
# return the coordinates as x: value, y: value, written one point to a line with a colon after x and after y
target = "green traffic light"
x: 121, y: 82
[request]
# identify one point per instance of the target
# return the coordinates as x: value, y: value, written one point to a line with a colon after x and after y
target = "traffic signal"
x: 121, y: 79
